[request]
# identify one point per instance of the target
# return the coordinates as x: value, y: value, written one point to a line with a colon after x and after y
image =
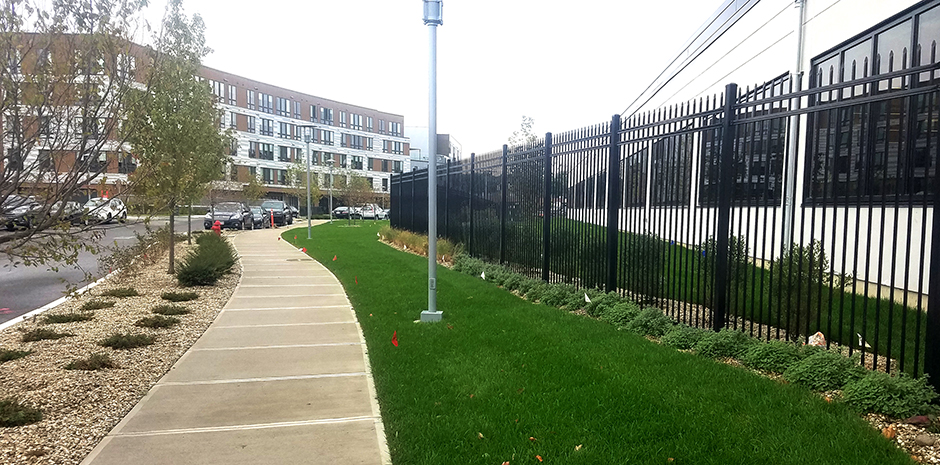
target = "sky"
x: 563, y: 65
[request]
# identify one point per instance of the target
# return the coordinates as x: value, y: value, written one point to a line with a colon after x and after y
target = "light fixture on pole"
x: 307, y: 137
x: 433, y: 17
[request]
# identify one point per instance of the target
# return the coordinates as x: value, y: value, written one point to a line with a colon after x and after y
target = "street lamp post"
x: 331, y: 188
x: 307, y: 138
x: 433, y: 17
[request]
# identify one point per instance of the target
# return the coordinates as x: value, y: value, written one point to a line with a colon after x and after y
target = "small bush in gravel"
x: 170, y: 310
x: 824, y: 371
x: 126, y: 341
x: 602, y: 304
x: 650, y: 322
x: 121, y: 292
x: 94, y: 362
x: 96, y: 305
x: 179, y: 296
x: 621, y: 314
x: 41, y: 334
x: 896, y: 396
x: 208, y: 262
x: 13, y: 413
x: 66, y: 318
x: 157, y: 321
x: 725, y: 343
x: 774, y: 356
x: 6, y: 354
x: 683, y: 337
x: 195, y: 272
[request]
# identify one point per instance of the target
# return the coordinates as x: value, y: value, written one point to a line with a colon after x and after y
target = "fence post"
x: 413, y: 182
x: 932, y: 339
x: 613, y: 202
x: 725, y: 192
x: 470, y: 236
x: 504, y: 209
x: 447, y: 202
x: 547, y: 209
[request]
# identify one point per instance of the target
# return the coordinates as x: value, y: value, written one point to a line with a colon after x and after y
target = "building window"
x: 342, y: 160
x: 381, y: 126
x: 386, y: 146
x: 125, y: 65
x: 370, y: 165
x: 355, y: 141
x: 342, y: 119
x: 368, y: 123
x: 126, y: 164
x: 231, y: 95
x: 398, y: 167
x: 368, y: 143
x: 384, y: 184
x: 313, y: 113
x: 326, y: 116
x: 267, y: 127
x: 326, y: 137
x: 284, y: 130
x: 267, y: 152
x: 232, y: 122
x: 267, y: 175
x: 356, y: 163
x: 296, y: 106
x: 253, y: 171
x: 283, y: 153
x: 254, y: 149
x: 355, y: 121
x: 283, y: 107
x: 251, y: 124
x: 218, y: 89
x: 251, y: 99
x: 397, y: 148
x: 385, y: 166
x: 394, y: 128
x: 266, y: 103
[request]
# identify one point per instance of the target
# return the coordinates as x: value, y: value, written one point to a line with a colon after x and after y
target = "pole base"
x: 428, y: 316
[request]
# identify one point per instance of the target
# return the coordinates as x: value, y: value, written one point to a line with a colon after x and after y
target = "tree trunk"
x: 189, y: 225
x: 171, y: 269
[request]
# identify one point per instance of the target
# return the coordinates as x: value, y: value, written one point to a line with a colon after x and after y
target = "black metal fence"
x: 686, y: 208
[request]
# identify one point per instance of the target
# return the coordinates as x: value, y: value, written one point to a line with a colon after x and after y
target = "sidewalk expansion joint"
x: 278, y: 325
x: 286, y: 346
x: 289, y: 285
x: 214, y: 429
x: 262, y: 380
x: 284, y: 308
x: 282, y: 296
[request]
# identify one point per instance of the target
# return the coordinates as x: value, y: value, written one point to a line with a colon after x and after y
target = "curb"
x: 54, y: 303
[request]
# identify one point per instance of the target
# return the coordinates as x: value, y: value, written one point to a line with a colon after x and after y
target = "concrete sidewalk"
x: 280, y: 377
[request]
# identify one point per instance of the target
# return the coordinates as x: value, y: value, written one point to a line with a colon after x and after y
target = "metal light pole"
x: 433, y: 17
x: 307, y: 139
x: 331, y: 188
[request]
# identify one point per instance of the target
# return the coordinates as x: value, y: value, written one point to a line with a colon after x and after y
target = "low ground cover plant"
x: 824, y: 370
x: 94, y: 362
x: 96, y: 305
x: 774, y: 356
x: 13, y: 413
x: 170, y: 310
x: 42, y: 334
x: 66, y: 318
x: 7, y: 355
x: 121, y: 292
x: 683, y: 337
x: 727, y: 343
x: 179, y: 296
x: 121, y: 341
x: 898, y: 396
x: 650, y: 322
x: 157, y: 321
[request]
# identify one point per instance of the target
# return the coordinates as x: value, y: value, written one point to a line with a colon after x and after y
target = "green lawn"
x: 535, y: 380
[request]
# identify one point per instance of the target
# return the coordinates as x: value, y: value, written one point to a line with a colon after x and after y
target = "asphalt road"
x: 26, y: 288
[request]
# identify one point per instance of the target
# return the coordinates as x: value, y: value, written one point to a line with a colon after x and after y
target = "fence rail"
x: 686, y: 208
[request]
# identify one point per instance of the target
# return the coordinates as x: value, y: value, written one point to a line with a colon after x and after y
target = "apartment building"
x: 272, y: 125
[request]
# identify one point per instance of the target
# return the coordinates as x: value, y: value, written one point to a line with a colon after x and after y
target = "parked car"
x: 294, y: 212
x: 346, y: 212
x: 261, y: 218
x: 104, y: 210
x: 282, y: 215
x: 372, y: 212
x: 232, y: 215
x: 67, y: 211
x: 19, y: 212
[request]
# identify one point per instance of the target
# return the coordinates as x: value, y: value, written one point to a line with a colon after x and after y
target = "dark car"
x: 294, y: 212
x: 232, y: 215
x: 346, y: 212
x: 282, y: 215
x: 69, y: 211
x: 19, y: 212
x: 261, y: 217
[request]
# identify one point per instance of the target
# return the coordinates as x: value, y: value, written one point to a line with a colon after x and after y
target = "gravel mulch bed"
x: 80, y: 407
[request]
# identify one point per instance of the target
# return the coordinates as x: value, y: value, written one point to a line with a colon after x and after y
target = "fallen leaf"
x: 532, y: 439
x: 578, y: 447
x: 450, y: 326
x: 480, y: 435
x: 506, y: 462
x: 471, y: 396
x: 539, y: 457
x: 889, y: 432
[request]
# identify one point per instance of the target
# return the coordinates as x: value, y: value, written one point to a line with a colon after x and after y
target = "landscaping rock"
x: 925, y: 440
x: 919, y: 420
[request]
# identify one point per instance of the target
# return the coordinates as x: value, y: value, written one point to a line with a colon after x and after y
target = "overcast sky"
x: 566, y: 66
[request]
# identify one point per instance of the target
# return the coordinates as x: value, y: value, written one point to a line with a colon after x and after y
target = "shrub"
x: 6, y: 354
x: 92, y: 363
x: 179, y: 296
x: 121, y: 292
x: 208, y: 262
x: 650, y: 322
x: 66, y: 318
x: 824, y: 371
x: 683, y: 337
x: 896, y: 396
x: 724, y: 343
x: 170, y: 310
x: 466, y: 264
x: 557, y: 294
x: 737, y: 263
x: 197, y: 273
x: 512, y: 281
x: 774, y: 356
x: 97, y: 305
x: 526, y: 284
x: 157, y: 321
x: 644, y: 258
x: 601, y: 304
x: 622, y: 313
x: 40, y: 334
x: 13, y: 413
x: 537, y: 292
x: 121, y: 341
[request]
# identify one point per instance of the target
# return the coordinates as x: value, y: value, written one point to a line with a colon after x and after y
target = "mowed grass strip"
x: 502, y: 379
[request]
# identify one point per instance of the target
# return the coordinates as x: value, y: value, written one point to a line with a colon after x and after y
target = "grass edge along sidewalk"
x: 502, y: 379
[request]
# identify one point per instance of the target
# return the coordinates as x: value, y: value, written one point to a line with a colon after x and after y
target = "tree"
x: 524, y: 134
x: 297, y: 180
x: 253, y: 189
x: 67, y: 67
x: 174, y: 126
